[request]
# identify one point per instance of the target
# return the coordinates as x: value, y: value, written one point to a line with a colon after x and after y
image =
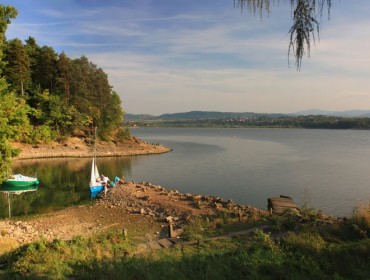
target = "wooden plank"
x: 279, y: 204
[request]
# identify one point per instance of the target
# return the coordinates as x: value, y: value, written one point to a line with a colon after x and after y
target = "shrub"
x: 122, y: 134
x: 361, y: 221
x: 41, y: 135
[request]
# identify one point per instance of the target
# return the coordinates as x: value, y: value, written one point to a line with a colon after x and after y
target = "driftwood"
x: 279, y: 204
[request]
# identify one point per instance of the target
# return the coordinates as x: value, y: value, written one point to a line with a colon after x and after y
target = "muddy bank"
x: 76, y: 147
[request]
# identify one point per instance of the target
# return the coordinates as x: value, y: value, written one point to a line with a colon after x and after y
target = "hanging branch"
x: 305, y: 26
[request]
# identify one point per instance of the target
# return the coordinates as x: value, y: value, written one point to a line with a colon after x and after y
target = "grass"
x: 310, y: 250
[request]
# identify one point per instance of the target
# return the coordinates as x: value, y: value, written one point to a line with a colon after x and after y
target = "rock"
x: 196, y: 197
x: 217, y: 205
x: 230, y: 202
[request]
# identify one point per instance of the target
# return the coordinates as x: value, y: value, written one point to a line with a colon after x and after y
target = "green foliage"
x: 55, y: 95
x: 42, y: 134
x: 122, y: 134
x: 301, y: 255
x: 63, y: 94
x: 13, y: 123
x: 195, y: 230
x: 6, y: 14
x: 17, y: 70
x: 59, y: 259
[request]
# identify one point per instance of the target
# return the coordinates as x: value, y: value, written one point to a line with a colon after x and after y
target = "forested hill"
x: 65, y: 96
x: 47, y: 96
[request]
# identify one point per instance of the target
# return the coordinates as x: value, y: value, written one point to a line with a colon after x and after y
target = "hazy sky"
x: 168, y: 56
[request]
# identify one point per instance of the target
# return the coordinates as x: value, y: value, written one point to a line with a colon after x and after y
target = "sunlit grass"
x: 310, y: 250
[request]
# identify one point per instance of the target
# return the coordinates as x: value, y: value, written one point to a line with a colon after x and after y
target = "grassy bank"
x: 301, y: 246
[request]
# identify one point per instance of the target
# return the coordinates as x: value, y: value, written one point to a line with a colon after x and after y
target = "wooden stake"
x: 9, y: 206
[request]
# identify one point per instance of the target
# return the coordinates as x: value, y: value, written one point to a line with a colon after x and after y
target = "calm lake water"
x: 329, y: 169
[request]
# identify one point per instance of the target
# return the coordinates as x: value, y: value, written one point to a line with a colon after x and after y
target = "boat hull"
x: 14, y: 183
x: 95, y: 190
x: 19, y: 180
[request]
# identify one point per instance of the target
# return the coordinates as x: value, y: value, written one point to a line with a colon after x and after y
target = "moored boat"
x: 19, y: 180
x: 96, y: 186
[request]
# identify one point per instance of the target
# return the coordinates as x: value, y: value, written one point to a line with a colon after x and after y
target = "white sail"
x: 92, y: 178
x: 96, y: 172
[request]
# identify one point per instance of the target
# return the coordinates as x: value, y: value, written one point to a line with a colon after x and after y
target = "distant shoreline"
x: 255, y: 121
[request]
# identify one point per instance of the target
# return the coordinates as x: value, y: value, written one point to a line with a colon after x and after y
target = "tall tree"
x: 32, y: 50
x: 12, y: 110
x: 46, y: 68
x: 64, y: 75
x: 7, y: 13
x: 305, y: 28
x: 112, y: 116
x: 17, y: 71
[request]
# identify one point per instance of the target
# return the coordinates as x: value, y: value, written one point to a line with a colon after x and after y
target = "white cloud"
x: 214, y: 59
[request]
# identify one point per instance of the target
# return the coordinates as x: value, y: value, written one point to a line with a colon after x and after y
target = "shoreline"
x: 78, y: 148
x: 144, y: 209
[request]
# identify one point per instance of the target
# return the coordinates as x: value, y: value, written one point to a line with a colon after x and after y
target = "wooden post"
x: 124, y: 231
x: 170, y: 231
x: 9, y: 206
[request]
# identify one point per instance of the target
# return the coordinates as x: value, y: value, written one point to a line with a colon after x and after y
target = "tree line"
x: 46, y: 96
x: 283, y: 121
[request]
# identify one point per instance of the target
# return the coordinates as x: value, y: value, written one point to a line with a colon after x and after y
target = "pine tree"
x: 17, y: 71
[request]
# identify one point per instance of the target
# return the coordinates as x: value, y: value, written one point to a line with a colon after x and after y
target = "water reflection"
x: 246, y: 165
x: 63, y: 182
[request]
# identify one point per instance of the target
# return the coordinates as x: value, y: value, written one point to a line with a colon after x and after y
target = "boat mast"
x: 96, y: 128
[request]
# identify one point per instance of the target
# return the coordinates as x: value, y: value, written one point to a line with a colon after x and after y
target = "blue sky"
x: 174, y: 56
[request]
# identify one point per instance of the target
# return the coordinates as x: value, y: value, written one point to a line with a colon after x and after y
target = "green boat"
x: 19, y: 180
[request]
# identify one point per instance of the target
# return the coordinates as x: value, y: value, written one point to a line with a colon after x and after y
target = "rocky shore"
x: 143, y: 209
x: 77, y: 147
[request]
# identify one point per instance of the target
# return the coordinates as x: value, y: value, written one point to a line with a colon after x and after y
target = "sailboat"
x: 96, y: 185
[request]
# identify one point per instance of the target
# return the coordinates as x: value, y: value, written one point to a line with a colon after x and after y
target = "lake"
x: 328, y: 169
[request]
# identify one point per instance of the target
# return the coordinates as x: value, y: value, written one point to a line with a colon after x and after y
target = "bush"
x: 42, y: 134
x: 361, y: 221
x: 122, y: 134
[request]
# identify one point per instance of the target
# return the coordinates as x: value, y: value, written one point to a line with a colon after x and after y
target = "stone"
x: 165, y: 243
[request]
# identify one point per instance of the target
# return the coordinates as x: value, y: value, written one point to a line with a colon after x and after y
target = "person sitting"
x: 119, y: 181
x: 105, y: 179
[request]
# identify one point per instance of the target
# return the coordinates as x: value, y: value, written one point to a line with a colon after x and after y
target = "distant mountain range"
x: 221, y: 115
